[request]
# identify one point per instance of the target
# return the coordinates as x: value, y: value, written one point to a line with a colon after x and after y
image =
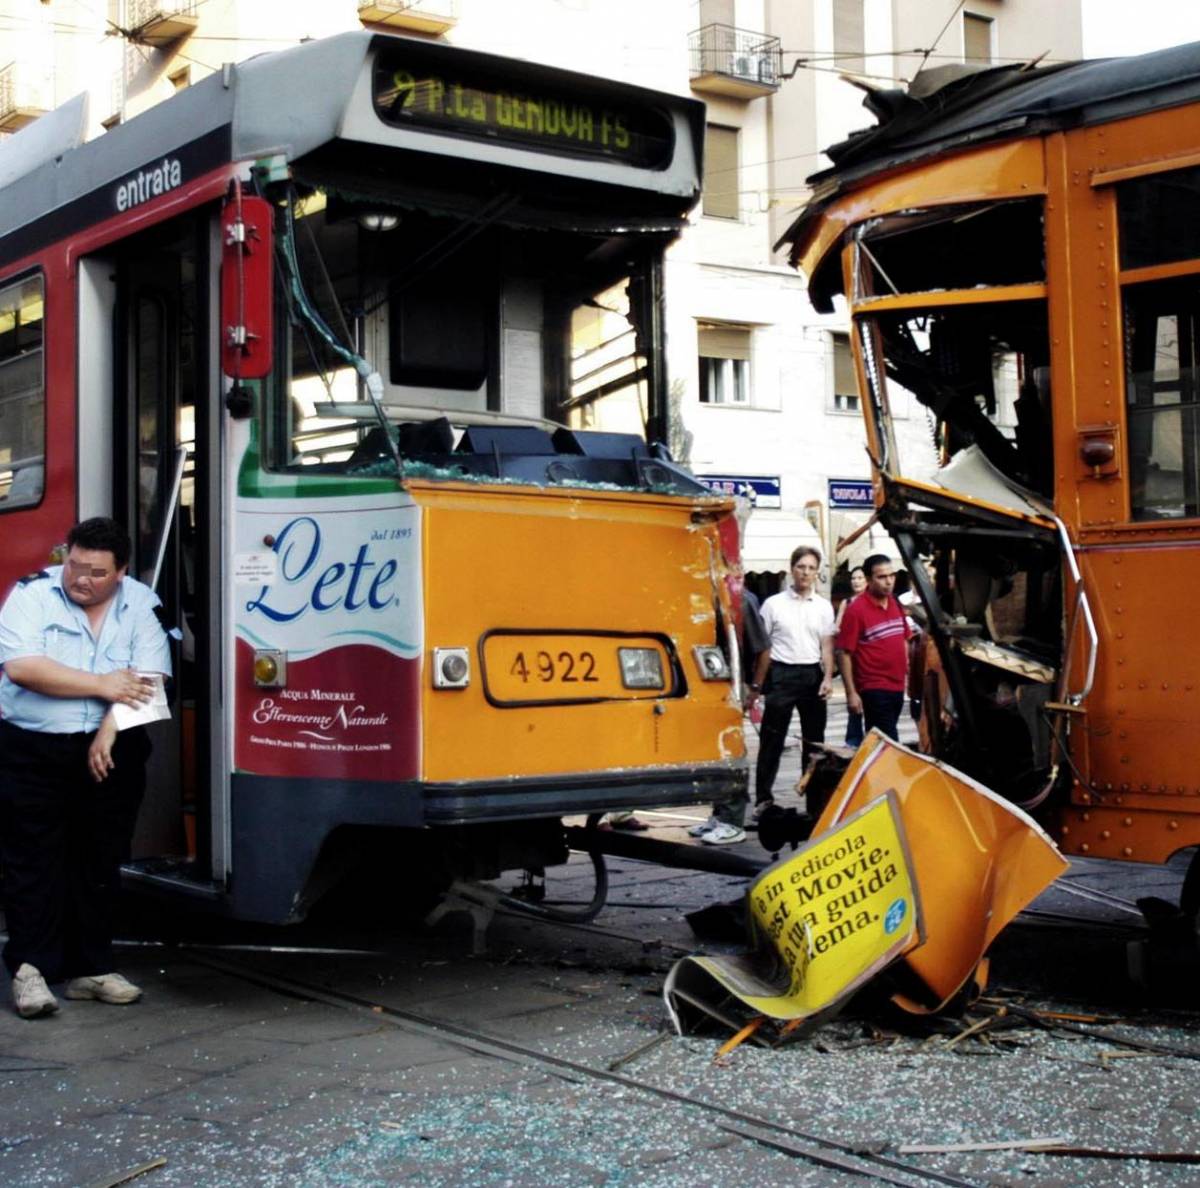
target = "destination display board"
x: 569, y: 121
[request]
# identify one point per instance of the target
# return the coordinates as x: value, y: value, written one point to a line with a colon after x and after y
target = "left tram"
x: 364, y: 342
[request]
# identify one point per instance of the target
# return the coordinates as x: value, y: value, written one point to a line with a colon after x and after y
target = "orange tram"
x: 1019, y: 253
x: 364, y: 342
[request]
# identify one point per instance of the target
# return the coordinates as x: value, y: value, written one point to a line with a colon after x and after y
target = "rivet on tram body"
x: 1124, y: 787
x: 1126, y: 821
x: 1181, y: 788
x: 1083, y: 849
x: 1117, y: 585
x: 1124, y: 758
x: 1120, y: 684
x: 1119, y: 800
x: 1128, y: 851
x: 1122, y: 733
x: 1145, y: 787
x: 1165, y: 685
x: 1086, y: 816
x: 1162, y: 787
x: 1108, y: 787
x: 1105, y: 834
x: 1065, y: 830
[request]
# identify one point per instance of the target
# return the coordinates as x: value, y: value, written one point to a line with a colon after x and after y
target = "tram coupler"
x: 664, y: 853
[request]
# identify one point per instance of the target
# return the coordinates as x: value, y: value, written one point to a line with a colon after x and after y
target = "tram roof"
x: 955, y: 107
x: 296, y: 102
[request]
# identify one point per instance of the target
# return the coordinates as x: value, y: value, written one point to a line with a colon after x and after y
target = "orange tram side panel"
x: 1113, y: 364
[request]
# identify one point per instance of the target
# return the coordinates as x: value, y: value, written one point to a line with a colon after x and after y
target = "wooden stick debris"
x: 740, y: 1038
x: 1028, y: 1144
x: 131, y: 1174
x: 1102, y: 1153
x: 640, y: 1050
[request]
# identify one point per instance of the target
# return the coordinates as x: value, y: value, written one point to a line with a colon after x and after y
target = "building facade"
x: 762, y: 389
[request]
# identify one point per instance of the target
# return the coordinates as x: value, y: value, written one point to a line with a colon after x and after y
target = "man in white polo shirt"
x: 796, y: 673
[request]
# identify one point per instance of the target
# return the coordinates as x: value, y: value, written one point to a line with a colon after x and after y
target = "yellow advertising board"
x: 823, y: 920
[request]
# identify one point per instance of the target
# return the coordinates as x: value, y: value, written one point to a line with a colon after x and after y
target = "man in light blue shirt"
x: 75, y: 640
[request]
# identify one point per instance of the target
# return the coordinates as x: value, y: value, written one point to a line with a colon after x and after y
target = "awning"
x: 770, y: 538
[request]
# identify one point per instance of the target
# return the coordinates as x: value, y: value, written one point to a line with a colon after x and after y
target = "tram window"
x: 606, y: 370
x: 22, y: 395
x: 1147, y: 205
x: 982, y: 371
x: 1162, y: 392
x: 958, y: 247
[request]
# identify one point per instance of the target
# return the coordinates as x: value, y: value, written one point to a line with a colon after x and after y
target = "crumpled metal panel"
x: 978, y: 860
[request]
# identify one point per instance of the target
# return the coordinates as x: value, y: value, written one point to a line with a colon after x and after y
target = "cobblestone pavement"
x: 423, y: 1064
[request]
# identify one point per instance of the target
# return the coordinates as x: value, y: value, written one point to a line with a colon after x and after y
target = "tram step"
x: 177, y: 875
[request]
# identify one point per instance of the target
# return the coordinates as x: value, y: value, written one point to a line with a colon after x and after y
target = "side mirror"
x: 247, y: 325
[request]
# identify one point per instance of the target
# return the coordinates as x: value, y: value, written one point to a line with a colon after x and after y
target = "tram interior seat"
x: 529, y: 453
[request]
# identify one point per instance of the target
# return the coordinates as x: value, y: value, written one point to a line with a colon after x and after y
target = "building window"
x: 1162, y: 394
x: 977, y: 38
x: 22, y: 395
x: 724, y: 364
x: 845, y: 383
x: 721, y: 172
x: 848, y: 39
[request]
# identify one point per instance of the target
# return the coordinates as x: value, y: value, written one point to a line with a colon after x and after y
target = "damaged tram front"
x: 364, y: 341
x: 1017, y: 251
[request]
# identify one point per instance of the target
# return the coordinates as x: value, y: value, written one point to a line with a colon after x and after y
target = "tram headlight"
x: 712, y: 663
x: 270, y: 668
x: 451, y: 668
x: 641, y: 668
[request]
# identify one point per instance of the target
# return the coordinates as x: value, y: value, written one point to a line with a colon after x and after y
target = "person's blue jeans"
x: 881, y: 707
x: 854, y: 729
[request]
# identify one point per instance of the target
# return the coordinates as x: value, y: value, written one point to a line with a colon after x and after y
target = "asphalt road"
x: 403, y: 1057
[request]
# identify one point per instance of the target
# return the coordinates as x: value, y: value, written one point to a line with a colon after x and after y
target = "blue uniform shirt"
x: 39, y: 619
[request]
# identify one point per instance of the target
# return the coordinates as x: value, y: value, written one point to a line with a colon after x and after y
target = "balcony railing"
x: 24, y: 95
x: 416, y: 16
x: 737, y: 62
x: 160, y: 22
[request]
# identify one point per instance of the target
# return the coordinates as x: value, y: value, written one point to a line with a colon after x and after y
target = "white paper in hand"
x: 154, y: 710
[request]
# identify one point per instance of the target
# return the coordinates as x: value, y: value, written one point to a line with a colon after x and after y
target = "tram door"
x: 162, y: 490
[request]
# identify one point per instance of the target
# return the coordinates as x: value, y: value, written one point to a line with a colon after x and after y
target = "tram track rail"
x: 812, y: 1148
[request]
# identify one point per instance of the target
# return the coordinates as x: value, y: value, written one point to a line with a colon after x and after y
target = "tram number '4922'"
x: 565, y: 667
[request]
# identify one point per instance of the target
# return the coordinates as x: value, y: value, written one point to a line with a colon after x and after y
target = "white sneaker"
x: 723, y: 834
x: 31, y: 995
x: 703, y: 828
x: 110, y: 987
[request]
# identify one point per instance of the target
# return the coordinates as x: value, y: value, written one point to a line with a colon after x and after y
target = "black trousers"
x: 881, y: 708
x: 62, y: 839
x: 789, y: 687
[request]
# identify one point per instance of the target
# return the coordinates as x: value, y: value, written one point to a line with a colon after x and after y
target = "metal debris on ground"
x: 911, y: 865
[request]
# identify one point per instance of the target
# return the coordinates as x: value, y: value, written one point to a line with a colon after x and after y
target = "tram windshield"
x: 464, y: 324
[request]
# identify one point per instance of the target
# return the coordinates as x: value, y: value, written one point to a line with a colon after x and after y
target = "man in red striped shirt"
x: 872, y: 652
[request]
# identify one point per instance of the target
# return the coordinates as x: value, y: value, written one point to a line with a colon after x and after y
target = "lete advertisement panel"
x: 336, y: 587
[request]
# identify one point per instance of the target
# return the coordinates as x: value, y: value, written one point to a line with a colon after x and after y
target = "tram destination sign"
x: 483, y: 105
